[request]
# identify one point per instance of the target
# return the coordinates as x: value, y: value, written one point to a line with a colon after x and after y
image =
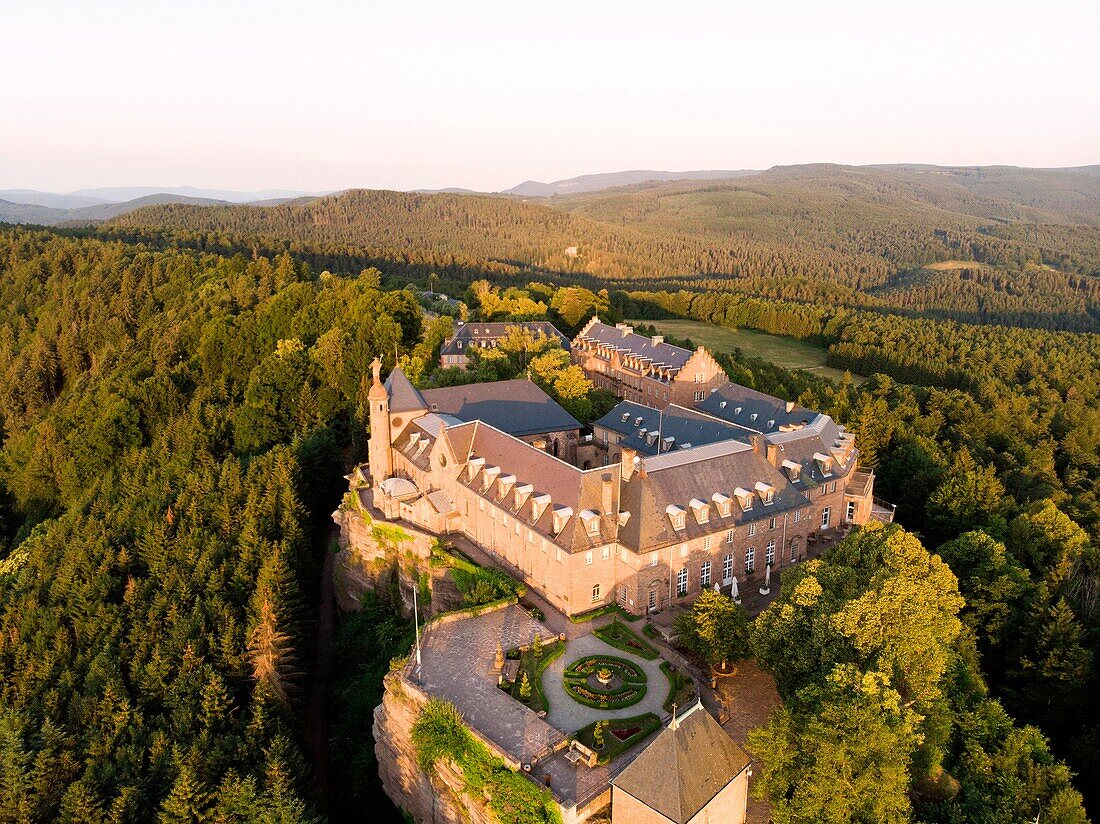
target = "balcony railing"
x: 883, y: 510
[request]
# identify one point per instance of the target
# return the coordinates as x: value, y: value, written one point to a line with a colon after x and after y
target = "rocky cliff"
x: 376, y: 554
x: 439, y: 798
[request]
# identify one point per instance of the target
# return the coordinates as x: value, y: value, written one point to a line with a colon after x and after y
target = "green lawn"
x: 786, y: 352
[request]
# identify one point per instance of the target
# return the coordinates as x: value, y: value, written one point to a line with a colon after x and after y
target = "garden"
x: 613, y: 736
x: 604, y: 682
x: 622, y: 637
x: 527, y: 686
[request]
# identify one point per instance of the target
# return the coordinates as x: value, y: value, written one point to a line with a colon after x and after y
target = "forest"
x: 1021, y: 252
x: 180, y: 397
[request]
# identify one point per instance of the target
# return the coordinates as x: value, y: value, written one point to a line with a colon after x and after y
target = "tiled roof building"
x: 455, y: 350
x: 691, y: 773
x: 642, y: 369
x: 656, y: 506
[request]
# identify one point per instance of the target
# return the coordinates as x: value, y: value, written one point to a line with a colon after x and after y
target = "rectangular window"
x: 729, y: 537
x: 769, y: 553
x: 698, y: 396
x: 653, y: 559
x: 704, y: 574
x: 588, y: 558
x: 752, y: 530
x: 794, y: 550
x: 622, y: 593
x: 606, y: 552
x: 797, y: 515
x: 682, y: 582
x: 652, y: 599
x: 750, y: 560
x: 825, y: 518
x: 727, y: 569
x: 706, y: 543
x: 683, y: 550
x: 771, y: 523
x: 832, y: 487
x: 850, y: 515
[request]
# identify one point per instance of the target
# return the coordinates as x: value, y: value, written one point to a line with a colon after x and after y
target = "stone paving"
x: 457, y: 663
x: 568, y: 715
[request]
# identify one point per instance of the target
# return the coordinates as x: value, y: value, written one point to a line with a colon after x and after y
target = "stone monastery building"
x: 691, y: 482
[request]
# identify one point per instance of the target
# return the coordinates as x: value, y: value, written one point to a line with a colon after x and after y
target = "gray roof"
x: 473, y: 334
x: 685, y: 766
x: 821, y: 436
x: 752, y: 409
x: 566, y: 485
x: 517, y: 407
x: 675, y: 478
x: 684, y: 426
x: 623, y: 337
x: 404, y: 397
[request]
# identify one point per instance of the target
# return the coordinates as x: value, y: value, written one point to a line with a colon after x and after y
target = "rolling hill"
x: 852, y: 235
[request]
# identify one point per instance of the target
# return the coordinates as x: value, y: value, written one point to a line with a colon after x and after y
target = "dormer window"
x: 752, y: 417
x: 824, y: 463
x: 638, y: 421
x: 668, y: 443
x: 744, y: 498
x: 723, y: 503
x: 737, y: 411
x: 766, y: 493
x: 722, y: 405
x: 523, y: 492
x: 701, y: 510
x: 490, y: 475
x: 794, y: 470
x: 562, y: 514
x: 591, y: 520
x: 677, y: 516
x: 651, y: 438
x: 538, y: 506
x: 474, y: 466
x: 626, y: 417
x: 506, y: 483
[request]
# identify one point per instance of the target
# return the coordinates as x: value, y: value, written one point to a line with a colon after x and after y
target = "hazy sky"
x: 337, y: 93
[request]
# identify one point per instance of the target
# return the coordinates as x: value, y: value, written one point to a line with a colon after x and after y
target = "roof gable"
x: 686, y: 765
x: 517, y: 407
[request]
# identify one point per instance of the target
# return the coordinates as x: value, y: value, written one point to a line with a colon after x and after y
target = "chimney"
x: 757, y: 441
x: 657, y: 340
x: 773, y: 454
x: 627, y: 466
x: 608, y: 498
x: 790, y: 407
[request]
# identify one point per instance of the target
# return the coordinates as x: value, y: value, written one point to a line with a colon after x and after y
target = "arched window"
x: 597, y: 592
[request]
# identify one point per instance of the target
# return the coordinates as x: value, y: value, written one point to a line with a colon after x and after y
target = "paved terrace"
x: 457, y: 663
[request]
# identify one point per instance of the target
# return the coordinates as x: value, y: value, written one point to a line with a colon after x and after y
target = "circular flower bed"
x: 604, y: 682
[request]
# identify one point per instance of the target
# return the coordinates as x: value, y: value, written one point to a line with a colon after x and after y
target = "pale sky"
x: 332, y: 94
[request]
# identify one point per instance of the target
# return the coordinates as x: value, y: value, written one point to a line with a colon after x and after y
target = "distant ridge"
x: 609, y: 180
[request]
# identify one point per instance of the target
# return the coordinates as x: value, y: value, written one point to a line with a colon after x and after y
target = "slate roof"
x: 822, y: 436
x: 684, y: 426
x: 685, y: 766
x: 758, y: 411
x: 566, y: 485
x: 640, y: 346
x: 517, y: 407
x: 404, y: 397
x: 473, y: 335
x: 675, y: 478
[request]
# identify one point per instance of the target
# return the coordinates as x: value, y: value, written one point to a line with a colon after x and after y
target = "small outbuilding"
x: 692, y: 773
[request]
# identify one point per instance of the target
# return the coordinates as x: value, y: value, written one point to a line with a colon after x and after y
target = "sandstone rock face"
x: 430, y: 799
x: 371, y: 559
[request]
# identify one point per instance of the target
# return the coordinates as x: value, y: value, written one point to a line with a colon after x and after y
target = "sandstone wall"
x: 430, y: 799
x: 371, y: 559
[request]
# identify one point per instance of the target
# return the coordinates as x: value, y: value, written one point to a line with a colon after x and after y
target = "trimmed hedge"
x: 599, y: 612
x: 613, y: 747
x: 624, y: 638
x: 680, y: 687
x: 575, y: 681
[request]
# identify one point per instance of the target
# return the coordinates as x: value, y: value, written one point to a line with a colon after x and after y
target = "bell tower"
x: 378, y: 448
